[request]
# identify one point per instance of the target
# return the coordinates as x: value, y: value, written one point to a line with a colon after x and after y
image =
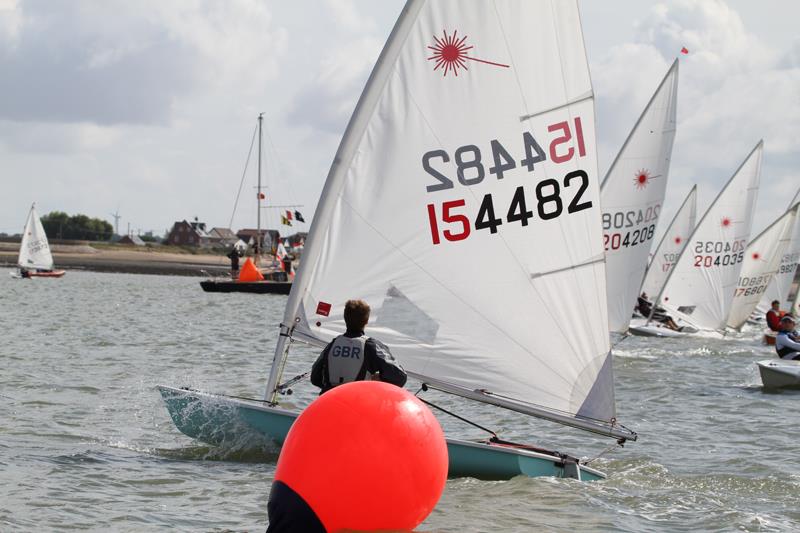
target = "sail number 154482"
x: 546, y: 195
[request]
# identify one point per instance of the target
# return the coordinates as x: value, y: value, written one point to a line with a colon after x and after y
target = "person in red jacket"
x: 774, y: 316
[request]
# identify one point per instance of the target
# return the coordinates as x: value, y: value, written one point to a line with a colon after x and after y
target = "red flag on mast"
x: 684, y: 50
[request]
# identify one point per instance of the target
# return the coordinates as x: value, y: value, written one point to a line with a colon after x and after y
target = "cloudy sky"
x: 149, y: 106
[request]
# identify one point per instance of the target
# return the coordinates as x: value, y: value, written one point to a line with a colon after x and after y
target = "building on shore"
x: 185, y: 233
x: 222, y: 237
x: 131, y: 240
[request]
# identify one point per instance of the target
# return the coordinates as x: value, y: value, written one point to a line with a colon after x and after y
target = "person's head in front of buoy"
x: 353, y: 356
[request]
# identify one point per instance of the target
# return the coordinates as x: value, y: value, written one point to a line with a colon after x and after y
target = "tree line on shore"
x: 59, y: 225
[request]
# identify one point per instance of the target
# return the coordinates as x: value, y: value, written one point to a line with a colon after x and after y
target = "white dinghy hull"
x: 654, y: 331
x: 779, y: 373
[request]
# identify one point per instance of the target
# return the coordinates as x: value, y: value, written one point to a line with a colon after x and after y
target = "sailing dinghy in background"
x: 669, y: 249
x: 672, y: 244
x: 700, y: 288
x: 471, y: 149
x: 35, y: 259
x: 780, y: 288
x: 632, y: 195
x: 762, y: 260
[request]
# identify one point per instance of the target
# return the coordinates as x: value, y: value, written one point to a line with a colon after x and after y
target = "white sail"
x: 463, y: 206
x: 672, y: 244
x: 781, y: 285
x: 762, y: 260
x: 701, y: 285
x: 632, y: 195
x: 34, y: 251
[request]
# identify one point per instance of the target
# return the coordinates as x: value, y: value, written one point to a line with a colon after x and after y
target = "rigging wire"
x: 244, y: 173
x: 620, y: 443
x: 424, y: 387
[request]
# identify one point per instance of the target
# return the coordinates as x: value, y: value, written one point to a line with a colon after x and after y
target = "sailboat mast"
x: 259, y: 240
x: 335, y: 181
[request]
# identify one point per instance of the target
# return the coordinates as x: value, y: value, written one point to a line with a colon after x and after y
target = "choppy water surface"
x: 85, y: 441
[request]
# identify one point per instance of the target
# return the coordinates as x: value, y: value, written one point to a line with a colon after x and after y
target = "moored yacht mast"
x: 259, y: 239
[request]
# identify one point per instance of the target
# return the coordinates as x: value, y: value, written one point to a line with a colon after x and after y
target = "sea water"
x: 86, y: 443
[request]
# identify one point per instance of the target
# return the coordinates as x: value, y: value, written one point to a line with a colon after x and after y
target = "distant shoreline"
x: 128, y: 261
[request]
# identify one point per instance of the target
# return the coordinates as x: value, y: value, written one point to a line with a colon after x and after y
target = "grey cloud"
x: 66, y: 66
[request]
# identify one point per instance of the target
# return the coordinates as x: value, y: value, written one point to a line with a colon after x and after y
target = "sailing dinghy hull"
x: 779, y: 373
x: 217, y: 419
x: 49, y: 274
x: 254, y: 287
x: 654, y: 331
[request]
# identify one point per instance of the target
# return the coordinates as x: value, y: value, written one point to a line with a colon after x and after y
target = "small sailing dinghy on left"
x: 35, y: 259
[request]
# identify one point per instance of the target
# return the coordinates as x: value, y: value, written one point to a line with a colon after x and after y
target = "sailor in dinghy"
x: 786, y: 343
x: 353, y: 356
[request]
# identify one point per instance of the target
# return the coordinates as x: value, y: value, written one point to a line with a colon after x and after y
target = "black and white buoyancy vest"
x: 784, y: 352
x: 346, y: 361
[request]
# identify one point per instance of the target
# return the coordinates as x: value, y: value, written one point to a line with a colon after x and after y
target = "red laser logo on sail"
x: 450, y: 52
x: 726, y: 222
x: 678, y: 240
x: 756, y: 256
x: 642, y: 179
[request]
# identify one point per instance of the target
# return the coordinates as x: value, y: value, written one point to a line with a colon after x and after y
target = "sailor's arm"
x: 319, y: 368
x: 786, y: 341
x: 381, y: 360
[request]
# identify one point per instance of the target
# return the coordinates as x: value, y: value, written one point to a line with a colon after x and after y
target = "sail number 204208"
x: 549, y: 195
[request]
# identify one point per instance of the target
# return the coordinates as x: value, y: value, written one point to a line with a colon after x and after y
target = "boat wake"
x: 249, y: 454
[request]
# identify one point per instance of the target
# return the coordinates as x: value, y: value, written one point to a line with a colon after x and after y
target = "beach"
x: 124, y: 259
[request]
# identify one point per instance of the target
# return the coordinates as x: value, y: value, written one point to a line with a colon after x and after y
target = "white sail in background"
x: 701, y: 285
x: 672, y: 244
x: 463, y: 206
x: 34, y: 251
x: 632, y: 196
x: 781, y: 286
x: 762, y: 260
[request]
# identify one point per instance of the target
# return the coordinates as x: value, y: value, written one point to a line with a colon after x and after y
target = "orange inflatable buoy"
x: 365, y: 456
x: 250, y: 272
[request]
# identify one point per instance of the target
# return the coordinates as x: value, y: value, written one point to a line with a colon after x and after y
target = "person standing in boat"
x: 234, y: 257
x: 354, y: 356
x: 786, y: 342
x: 774, y: 316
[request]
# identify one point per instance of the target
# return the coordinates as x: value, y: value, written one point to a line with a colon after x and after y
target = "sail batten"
x: 471, y: 234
